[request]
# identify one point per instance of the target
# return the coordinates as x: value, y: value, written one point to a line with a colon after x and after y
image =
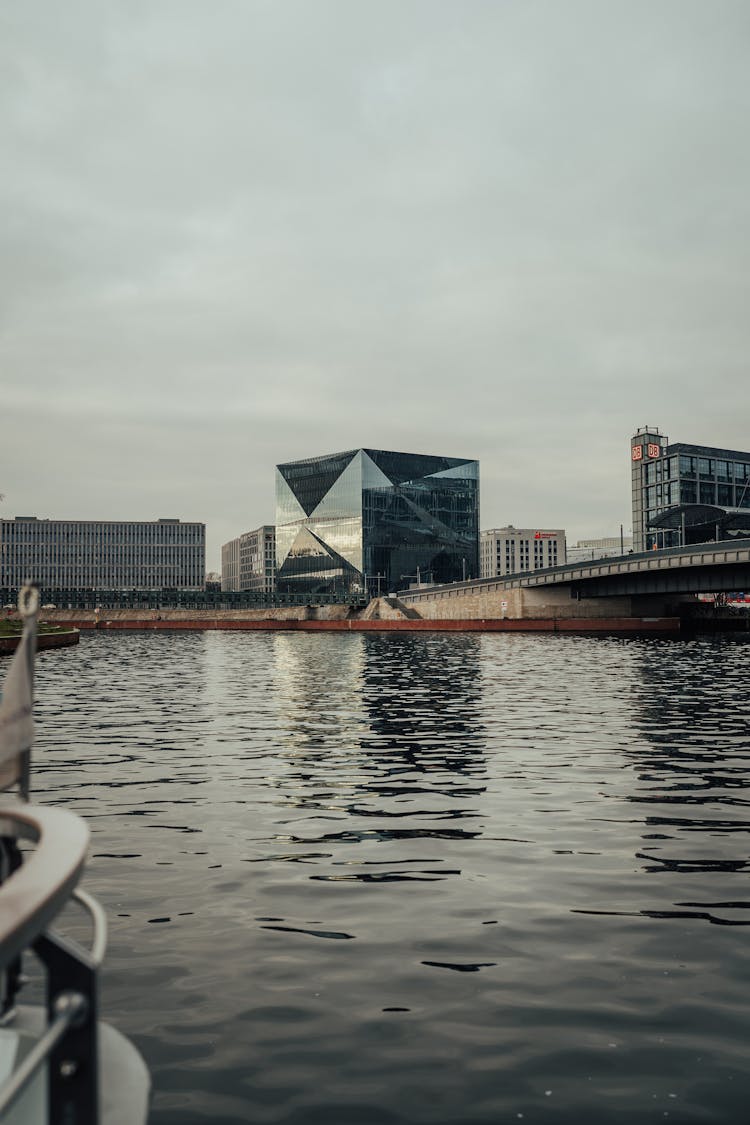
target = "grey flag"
x: 16, y: 719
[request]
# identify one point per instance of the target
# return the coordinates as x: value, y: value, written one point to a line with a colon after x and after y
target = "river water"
x: 431, y: 878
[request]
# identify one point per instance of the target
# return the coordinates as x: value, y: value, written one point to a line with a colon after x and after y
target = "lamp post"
x: 373, y: 578
x: 419, y: 582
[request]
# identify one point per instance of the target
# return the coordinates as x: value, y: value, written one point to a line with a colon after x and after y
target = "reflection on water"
x: 692, y: 769
x: 415, y: 878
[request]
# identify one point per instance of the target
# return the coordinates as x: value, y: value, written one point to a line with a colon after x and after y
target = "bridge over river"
x: 645, y: 585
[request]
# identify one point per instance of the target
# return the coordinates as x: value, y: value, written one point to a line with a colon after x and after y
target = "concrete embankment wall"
x: 527, y: 604
x: 381, y: 615
x: 43, y: 641
x: 196, y: 618
x: 543, y: 608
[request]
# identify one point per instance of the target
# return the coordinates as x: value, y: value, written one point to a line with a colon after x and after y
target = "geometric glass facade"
x: 371, y: 521
x: 685, y: 493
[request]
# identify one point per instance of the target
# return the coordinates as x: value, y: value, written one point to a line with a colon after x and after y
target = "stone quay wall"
x: 489, y: 602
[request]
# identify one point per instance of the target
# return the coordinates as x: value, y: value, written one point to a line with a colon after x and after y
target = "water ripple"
x: 539, y: 844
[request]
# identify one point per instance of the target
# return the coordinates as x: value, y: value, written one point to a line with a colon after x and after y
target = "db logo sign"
x: 654, y: 450
x: 637, y: 452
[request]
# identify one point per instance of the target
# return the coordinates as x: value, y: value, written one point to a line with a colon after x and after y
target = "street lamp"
x: 419, y: 581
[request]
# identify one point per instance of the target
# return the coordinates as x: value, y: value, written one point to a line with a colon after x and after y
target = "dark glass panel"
x: 400, y: 467
x: 310, y: 480
x: 707, y: 493
x: 688, y: 492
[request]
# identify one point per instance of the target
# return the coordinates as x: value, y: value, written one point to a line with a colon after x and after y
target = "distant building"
x: 249, y: 561
x: 104, y: 555
x: 230, y: 564
x: 610, y: 547
x: 371, y: 520
x: 686, y: 493
x: 514, y: 550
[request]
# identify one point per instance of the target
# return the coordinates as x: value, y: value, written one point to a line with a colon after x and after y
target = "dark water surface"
x: 368, y: 879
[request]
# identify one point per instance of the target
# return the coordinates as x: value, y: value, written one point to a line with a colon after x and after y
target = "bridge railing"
x: 695, y: 554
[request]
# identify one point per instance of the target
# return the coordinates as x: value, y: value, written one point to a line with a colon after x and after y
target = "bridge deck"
x: 682, y: 568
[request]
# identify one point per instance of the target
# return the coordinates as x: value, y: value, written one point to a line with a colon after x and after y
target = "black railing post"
x: 72, y: 1074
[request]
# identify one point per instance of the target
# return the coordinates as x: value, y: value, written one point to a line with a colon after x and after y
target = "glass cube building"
x: 370, y: 521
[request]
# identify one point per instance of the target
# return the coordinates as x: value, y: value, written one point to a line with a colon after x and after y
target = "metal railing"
x: 727, y: 551
x: 30, y: 899
x: 179, y: 599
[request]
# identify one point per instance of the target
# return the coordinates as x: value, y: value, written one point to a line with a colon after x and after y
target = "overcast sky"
x: 248, y: 231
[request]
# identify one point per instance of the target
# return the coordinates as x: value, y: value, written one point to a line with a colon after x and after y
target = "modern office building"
x: 512, y: 550
x: 684, y: 493
x: 370, y: 521
x: 610, y: 547
x: 230, y: 564
x: 249, y: 561
x: 104, y: 555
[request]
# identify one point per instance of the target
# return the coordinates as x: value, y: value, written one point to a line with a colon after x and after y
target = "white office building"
x: 102, y: 554
x: 249, y: 561
x: 587, y: 549
x: 515, y: 550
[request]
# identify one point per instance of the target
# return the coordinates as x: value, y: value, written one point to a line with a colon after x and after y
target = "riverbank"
x: 332, y: 619
x: 54, y: 638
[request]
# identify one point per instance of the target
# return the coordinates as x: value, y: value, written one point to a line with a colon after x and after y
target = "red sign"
x: 544, y: 535
x: 654, y: 451
x: 637, y: 452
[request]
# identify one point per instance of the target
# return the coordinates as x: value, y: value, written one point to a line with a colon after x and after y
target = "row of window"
x: 701, y: 468
x: 50, y: 532
x: 84, y: 579
x: 698, y: 492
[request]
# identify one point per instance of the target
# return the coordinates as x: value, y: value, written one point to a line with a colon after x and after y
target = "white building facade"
x: 516, y: 550
x: 609, y: 547
x: 102, y: 554
x: 249, y: 561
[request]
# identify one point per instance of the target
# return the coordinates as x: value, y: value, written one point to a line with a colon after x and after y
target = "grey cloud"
x: 243, y: 233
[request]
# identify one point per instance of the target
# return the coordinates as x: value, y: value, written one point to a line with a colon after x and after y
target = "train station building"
x: 684, y: 493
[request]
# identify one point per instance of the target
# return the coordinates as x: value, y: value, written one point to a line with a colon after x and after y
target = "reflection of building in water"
x: 318, y: 681
x: 693, y: 771
x: 360, y: 715
x: 422, y: 694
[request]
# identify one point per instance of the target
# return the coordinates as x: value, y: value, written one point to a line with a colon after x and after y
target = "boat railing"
x: 31, y: 897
